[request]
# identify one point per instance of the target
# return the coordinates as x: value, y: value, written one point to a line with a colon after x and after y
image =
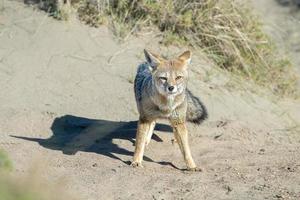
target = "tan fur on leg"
x: 181, y: 136
x: 150, y: 133
x: 141, y: 136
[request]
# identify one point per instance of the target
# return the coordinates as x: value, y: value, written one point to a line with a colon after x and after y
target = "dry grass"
x: 225, y: 30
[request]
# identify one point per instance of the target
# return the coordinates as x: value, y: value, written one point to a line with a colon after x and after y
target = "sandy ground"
x: 67, y: 101
x: 282, y: 22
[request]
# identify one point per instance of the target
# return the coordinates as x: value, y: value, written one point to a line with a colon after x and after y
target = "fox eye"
x: 178, y: 78
x: 163, y: 78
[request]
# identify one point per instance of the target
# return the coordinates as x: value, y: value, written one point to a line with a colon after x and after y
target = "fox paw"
x: 194, y: 169
x: 136, y: 164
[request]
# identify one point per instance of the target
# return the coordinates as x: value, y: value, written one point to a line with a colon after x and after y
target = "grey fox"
x: 160, y: 92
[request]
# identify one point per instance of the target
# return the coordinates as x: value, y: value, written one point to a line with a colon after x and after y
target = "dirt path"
x: 56, y: 77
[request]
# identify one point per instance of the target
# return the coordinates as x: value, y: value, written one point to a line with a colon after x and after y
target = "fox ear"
x: 152, y: 59
x: 186, y: 57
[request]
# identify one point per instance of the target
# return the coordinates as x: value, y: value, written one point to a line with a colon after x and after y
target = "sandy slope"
x: 283, y: 24
x: 56, y: 77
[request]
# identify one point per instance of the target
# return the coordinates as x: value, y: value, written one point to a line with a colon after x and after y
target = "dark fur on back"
x: 196, y: 111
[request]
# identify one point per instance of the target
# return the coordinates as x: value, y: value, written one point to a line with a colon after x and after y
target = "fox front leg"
x: 181, y: 136
x: 141, y: 137
x: 150, y: 133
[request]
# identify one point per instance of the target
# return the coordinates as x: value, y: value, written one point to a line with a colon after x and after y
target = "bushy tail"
x: 196, y: 111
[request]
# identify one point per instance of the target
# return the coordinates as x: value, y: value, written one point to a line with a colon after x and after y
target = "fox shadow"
x: 72, y: 134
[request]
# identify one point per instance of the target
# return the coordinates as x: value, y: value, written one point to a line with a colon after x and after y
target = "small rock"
x: 95, y: 165
x: 290, y: 169
x: 261, y: 151
x: 227, y: 188
x: 278, y: 196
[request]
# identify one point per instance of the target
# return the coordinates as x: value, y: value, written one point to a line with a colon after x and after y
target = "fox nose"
x: 171, y: 88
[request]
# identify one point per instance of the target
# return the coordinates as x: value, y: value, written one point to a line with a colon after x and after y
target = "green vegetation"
x: 225, y: 30
x: 24, y: 188
x: 9, y: 190
x: 5, y: 163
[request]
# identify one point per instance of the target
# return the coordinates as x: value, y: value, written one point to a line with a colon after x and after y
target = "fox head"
x: 169, y: 76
